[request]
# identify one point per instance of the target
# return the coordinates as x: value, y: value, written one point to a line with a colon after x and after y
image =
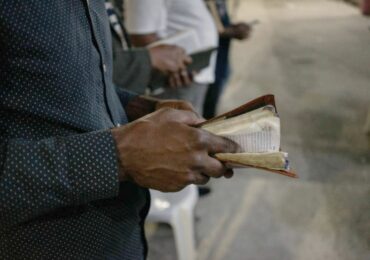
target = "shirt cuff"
x: 92, y: 166
x: 125, y: 96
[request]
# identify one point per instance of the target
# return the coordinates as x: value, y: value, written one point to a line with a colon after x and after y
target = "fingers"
x: 189, y: 118
x: 172, y: 82
x: 199, y: 179
x: 188, y: 60
x: 183, y: 57
x: 184, y: 105
x: 177, y: 79
x: 179, y: 76
x: 214, y: 168
x: 218, y: 144
x: 185, y: 77
x: 169, y: 59
x: 211, y: 168
x: 229, y: 173
x: 241, y: 31
x: 180, y: 79
x: 175, y: 104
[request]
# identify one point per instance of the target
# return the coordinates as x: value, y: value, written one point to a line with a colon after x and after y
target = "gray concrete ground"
x: 314, y: 55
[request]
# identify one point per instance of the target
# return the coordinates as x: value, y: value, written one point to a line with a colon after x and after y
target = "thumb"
x: 181, y: 116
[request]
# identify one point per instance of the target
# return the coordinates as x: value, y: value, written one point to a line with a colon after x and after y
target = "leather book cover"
x: 250, y: 106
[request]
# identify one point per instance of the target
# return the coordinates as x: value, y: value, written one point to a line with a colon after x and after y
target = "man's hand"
x: 179, y: 79
x: 163, y: 151
x: 169, y: 59
x: 172, y: 61
x: 175, y: 104
x: 240, y: 31
x: 144, y: 105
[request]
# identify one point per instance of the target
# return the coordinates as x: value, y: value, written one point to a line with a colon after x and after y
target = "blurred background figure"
x: 149, y: 21
x: 148, y: 63
x: 227, y: 32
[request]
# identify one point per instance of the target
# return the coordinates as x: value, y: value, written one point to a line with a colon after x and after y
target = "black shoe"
x: 203, y: 191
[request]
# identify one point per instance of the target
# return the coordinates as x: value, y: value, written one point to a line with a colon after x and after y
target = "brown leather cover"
x: 232, y: 164
x: 250, y: 106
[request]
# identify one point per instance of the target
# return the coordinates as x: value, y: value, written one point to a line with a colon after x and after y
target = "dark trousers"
x: 211, y: 100
x: 222, y: 72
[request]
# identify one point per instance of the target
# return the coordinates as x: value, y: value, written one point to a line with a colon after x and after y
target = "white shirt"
x: 169, y: 17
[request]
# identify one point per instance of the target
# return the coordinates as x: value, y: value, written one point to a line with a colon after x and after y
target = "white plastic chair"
x: 177, y: 209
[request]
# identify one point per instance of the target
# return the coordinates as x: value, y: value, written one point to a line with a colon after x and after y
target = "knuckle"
x: 169, y: 190
x: 218, y: 171
x: 163, y: 189
x: 203, y: 180
x: 219, y: 174
x: 173, y: 188
x: 197, y: 159
x: 190, y: 178
x: 199, y: 178
x: 199, y: 138
x: 178, y: 187
x: 168, y: 111
x: 222, y: 170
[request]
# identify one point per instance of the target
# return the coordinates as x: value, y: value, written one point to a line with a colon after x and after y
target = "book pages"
x: 273, y: 161
x: 230, y: 124
x: 259, y: 137
x: 255, y: 126
x: 255, y: 132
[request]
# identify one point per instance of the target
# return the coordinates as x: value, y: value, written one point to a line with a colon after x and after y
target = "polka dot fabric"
x: 59, y: 192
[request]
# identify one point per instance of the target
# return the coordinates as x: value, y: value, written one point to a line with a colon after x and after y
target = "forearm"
x: 39, y: 177
x: 228, y: 32
x: 143, y: 40
x: 136, y: 106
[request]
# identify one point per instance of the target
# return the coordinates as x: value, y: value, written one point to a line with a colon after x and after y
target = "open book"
x: 255, y: 126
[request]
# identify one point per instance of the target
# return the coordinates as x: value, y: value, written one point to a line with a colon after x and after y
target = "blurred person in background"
x: 149, y: 21
x: 130, y: 62
x: 229, y: 31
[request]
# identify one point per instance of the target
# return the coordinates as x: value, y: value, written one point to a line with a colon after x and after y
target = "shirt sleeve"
x: 39, y: 177
x: 128, y: 65
x: 145, y: 16
x: 125, y: 96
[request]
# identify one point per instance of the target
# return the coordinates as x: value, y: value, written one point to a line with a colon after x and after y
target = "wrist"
x: 117, y: 136
x: 228, y: 32
x: 141, y: 106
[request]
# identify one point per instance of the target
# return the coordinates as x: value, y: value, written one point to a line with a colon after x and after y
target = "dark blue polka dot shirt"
x: 59, y: 192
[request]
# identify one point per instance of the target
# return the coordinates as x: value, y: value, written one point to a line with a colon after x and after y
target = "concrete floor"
x: 314, y: 55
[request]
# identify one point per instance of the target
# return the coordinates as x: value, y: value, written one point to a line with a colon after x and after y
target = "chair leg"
x: 183, y: 227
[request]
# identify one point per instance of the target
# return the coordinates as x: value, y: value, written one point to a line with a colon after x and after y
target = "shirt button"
x: 118, y: 125
x: 105, y: 68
